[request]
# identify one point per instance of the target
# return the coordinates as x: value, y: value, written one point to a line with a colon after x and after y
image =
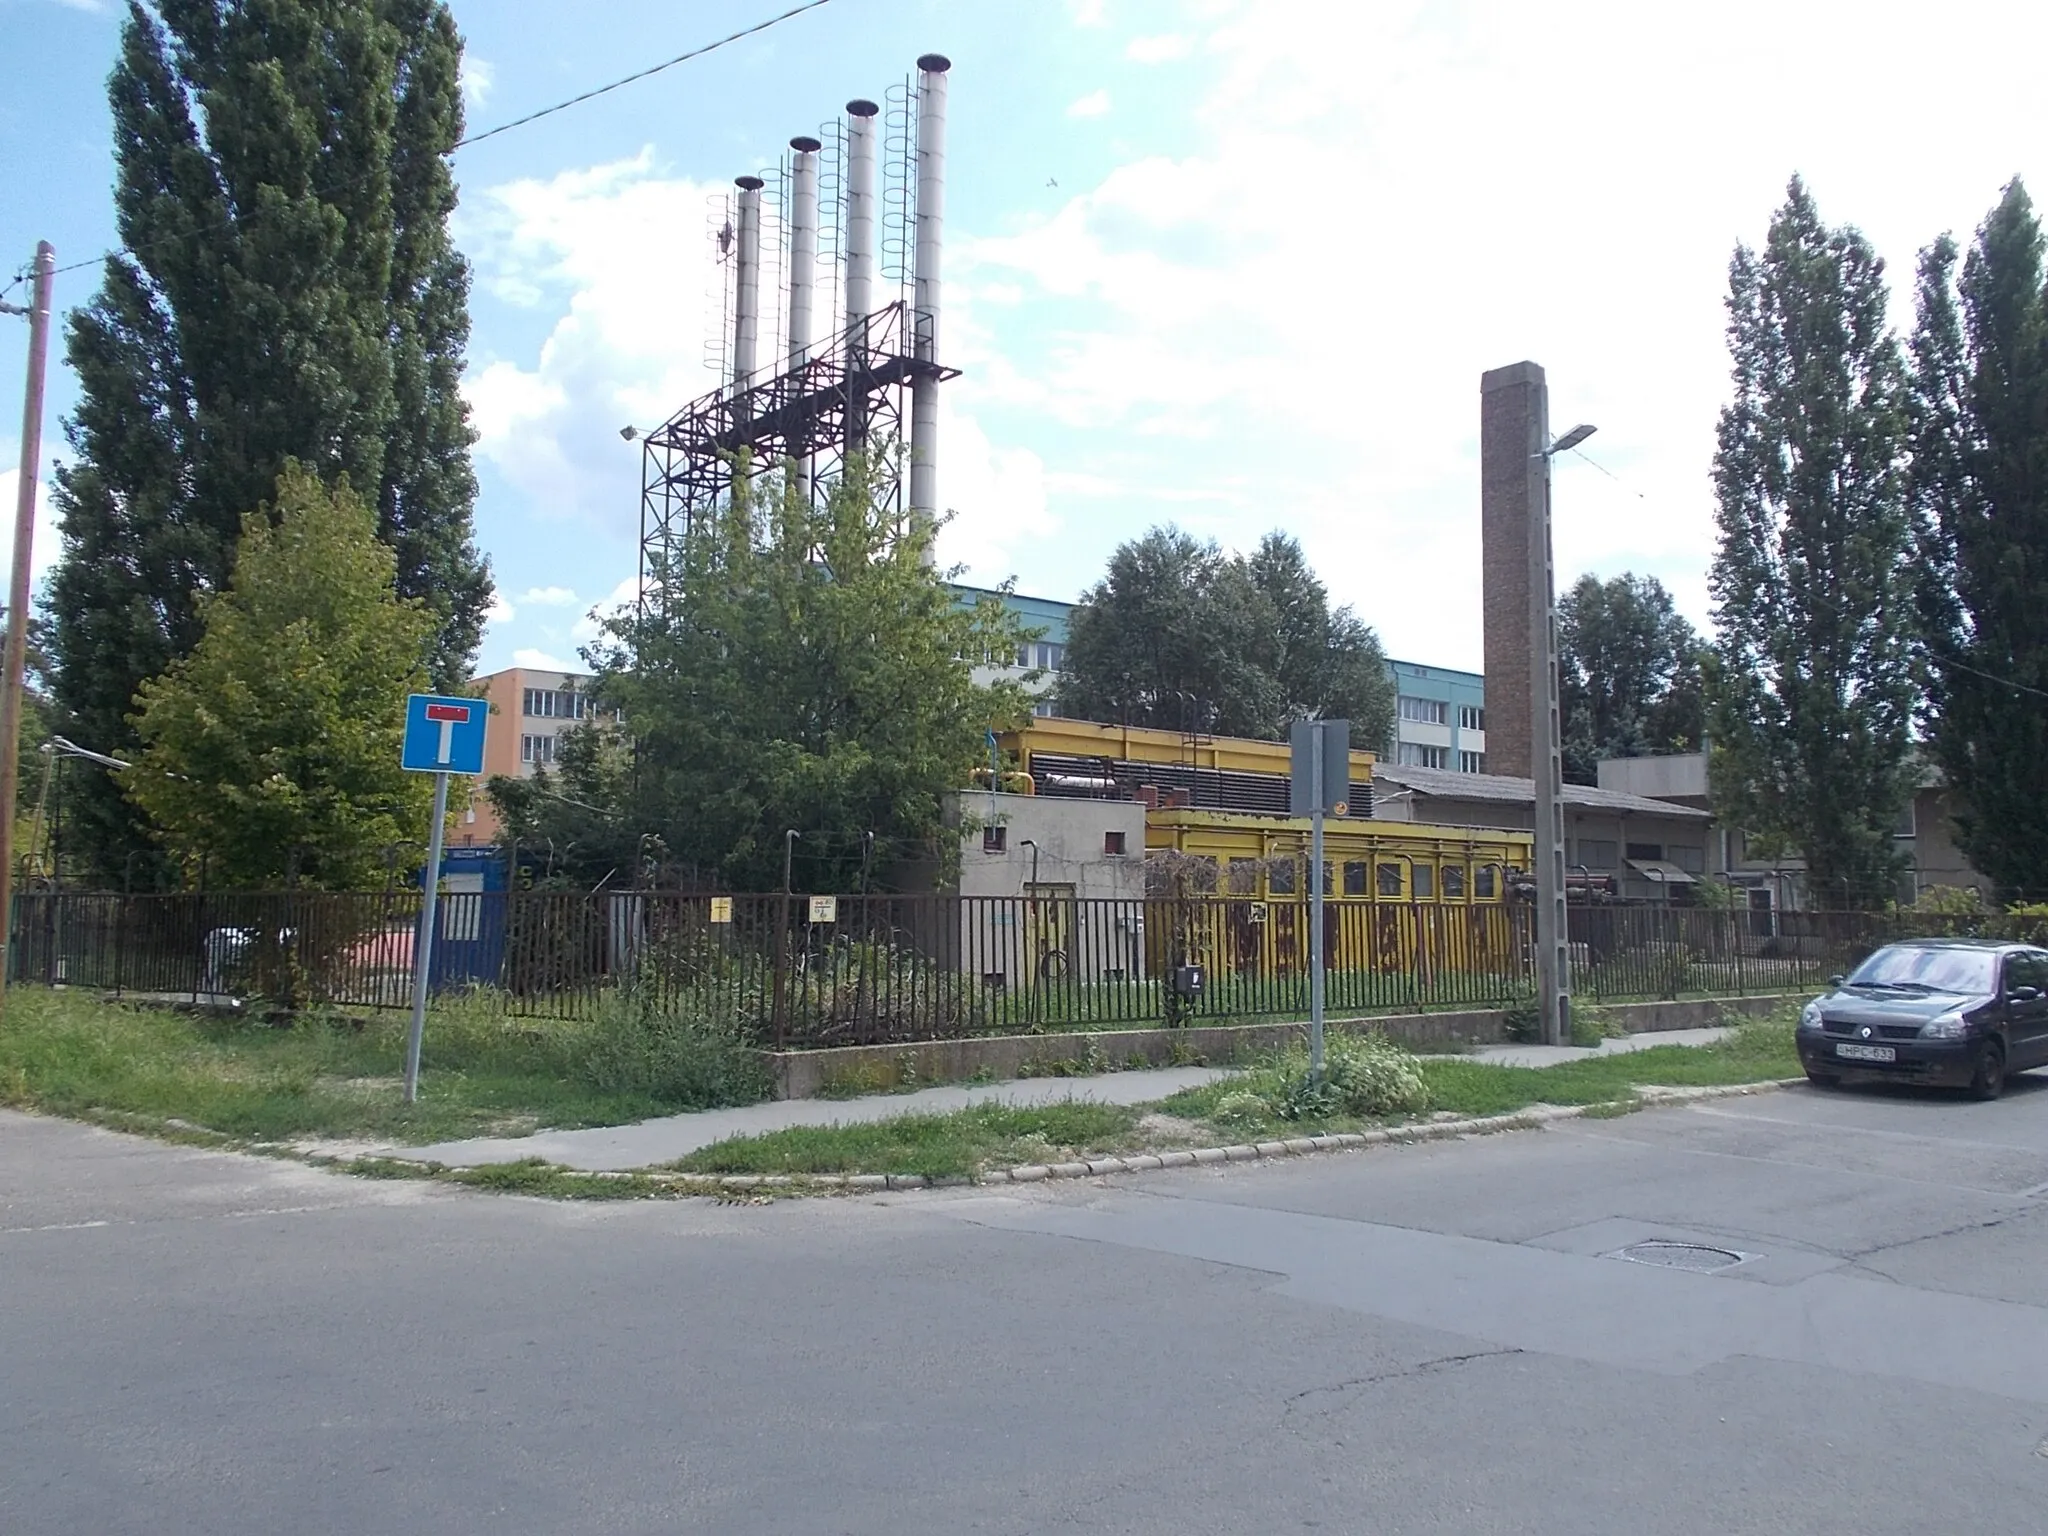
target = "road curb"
x: 1533, y: 1118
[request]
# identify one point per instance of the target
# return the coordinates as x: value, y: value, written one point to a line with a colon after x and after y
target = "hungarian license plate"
x: 1866, y: 1052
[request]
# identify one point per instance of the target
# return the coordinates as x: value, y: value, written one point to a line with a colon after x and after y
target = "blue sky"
x: 1233, y: 263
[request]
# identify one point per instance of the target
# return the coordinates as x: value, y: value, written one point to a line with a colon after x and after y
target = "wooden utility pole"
x: 17, y: 592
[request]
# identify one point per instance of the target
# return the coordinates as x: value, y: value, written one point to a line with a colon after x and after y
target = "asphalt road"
x: 1418, y: 1339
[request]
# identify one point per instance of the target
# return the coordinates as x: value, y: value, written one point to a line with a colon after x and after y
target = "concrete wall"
x: 1071, y: 836
x: 1680, y: 776
x: 877, y: 1068
x: 1937, y: 861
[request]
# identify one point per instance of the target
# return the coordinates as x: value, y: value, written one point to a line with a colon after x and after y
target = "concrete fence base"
x: 879, y: 1068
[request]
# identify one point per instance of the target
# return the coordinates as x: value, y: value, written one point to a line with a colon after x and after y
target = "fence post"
x: 780, y: 1009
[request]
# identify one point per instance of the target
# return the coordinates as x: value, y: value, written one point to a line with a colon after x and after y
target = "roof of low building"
x: 1501, y: 789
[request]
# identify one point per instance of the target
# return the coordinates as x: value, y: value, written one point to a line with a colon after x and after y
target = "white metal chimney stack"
x: 860, y: 215
x: 746, y: 333
x: 803, y: 267
x: 931, y: 211
x: 803, y: 246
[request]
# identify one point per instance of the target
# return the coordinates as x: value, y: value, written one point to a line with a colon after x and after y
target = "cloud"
x: 1094, y: 104
x: 548, y: 597
x: 479, y: 76
x: 1290, y: 315
x: 543, y: 661
x: 1160, y: 49
x: 49, y: 534
x: 622, y: 597
x: 500, y: 611
x: 1087, y: 13
x: 590, y: 246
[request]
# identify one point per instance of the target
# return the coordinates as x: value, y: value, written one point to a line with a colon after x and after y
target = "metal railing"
x: 817, y: 971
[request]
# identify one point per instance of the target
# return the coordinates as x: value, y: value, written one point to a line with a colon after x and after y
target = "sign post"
x: 442, y: 736
x: 1320, y: 783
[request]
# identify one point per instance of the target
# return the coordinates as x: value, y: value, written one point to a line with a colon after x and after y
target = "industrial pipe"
x: 746, y: 336
x: 931, y: 209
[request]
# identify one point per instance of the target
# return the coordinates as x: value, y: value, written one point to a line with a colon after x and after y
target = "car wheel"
x: 1823, y: 1079
x: 1989, y: 1081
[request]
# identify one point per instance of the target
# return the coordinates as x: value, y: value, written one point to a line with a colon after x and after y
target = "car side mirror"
x: 2024, y: 994
x: 1836, y: 981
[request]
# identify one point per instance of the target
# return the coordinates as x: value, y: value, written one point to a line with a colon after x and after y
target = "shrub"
x: 1365, y: 1077
x: 683, y: 1059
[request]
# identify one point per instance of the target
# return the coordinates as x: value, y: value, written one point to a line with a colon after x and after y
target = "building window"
x: 1906, y: 827
x: 537, y: 749
x: 557, y: 704
x: 1652, y: 852
x: 1426, y: 711
x: 1023, y: 656
x: 1471, y: 762
x: 1471, y: 718
x: 1425, y: 882
x: 1454, y: 883
x: 1329, y: 878
x: 1482, y: 882
x: 1113, y: 844
x: 1280, y: 879
x: 1390, y: 879
x: 994, y: 839
x: 1415, y: 755
x: 1354, y: 878
x: 1692, y: 860
x: 1596, y: 852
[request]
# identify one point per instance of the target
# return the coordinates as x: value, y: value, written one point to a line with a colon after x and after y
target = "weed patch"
x: 947, y: 1146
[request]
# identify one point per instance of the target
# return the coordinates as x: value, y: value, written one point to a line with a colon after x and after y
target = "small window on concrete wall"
x: 1113, y: 844
x: 994, y: 839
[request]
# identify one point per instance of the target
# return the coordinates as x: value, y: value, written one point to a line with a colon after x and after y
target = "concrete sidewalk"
x: 664, y: 1140
x: 653, y: 1142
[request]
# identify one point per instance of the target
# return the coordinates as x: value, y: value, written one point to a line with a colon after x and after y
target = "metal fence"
x: 814, y: 971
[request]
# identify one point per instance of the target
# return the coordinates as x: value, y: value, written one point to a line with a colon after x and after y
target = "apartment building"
x: 531, y: 710
x: 1045, y: 655
x: 1439, y: 718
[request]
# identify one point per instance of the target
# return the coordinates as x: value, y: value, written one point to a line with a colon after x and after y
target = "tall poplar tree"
x: 289, y: 292
x: 1980, y: 501
x: 1811, y: 688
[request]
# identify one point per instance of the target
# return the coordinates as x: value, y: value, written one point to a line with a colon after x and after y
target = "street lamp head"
x: 629, y: 433
x: 1573, y: 438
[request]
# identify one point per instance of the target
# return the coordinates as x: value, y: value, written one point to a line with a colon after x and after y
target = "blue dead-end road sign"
x: 444, y: 735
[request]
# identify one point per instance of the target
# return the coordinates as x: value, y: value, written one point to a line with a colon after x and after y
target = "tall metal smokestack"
x: 746, y: 331
x: 931, y: 211
x: 803, y: 245
x: 803, y: 266
x: 860, y: 213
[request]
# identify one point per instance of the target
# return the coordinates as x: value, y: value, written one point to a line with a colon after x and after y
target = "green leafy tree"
x: 1329, y: 662
x: 1180, y: 636
x: 812, y: 673
x: 1811, y: 688
x: 270, y: 752
x: 1980, y: 500
x: 289, y: 292
x: 1628, y: 669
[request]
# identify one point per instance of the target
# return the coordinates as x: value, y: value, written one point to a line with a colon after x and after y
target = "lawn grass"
x: 938, y: 1146
x: 1758, y: 1051
x: 481, y: 1073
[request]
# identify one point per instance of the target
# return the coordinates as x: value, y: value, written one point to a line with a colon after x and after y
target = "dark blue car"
x: 1958, y: 1013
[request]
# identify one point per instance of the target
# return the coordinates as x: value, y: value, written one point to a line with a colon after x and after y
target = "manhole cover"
x: 1689, y: 1256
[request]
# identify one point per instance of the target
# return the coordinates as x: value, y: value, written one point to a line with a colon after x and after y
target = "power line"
x: 491, y: 133
x: 681, y: 58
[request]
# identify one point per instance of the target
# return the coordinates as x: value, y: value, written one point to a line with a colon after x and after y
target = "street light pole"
x: 38, y: 313
x: 1553, y: 933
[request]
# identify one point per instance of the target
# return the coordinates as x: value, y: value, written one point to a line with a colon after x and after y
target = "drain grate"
x: 1694, y: 1257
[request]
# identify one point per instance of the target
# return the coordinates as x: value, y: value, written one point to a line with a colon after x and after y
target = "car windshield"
x: 1968, y: 972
